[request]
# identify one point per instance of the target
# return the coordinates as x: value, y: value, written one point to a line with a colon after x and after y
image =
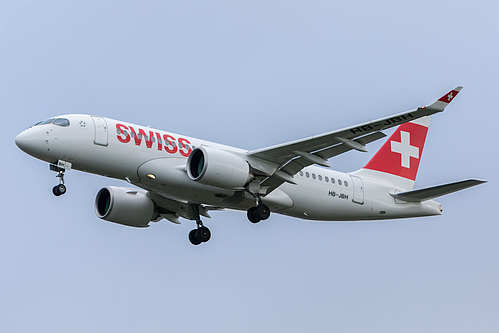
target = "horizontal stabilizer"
x: 436, y: 191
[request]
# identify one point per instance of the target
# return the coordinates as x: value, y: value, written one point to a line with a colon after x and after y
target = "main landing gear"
x: 260, y: 212
x: 201, y: 234
x: 60, y: 189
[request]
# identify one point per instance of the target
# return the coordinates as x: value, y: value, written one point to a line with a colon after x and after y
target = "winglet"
x: 440, y: 104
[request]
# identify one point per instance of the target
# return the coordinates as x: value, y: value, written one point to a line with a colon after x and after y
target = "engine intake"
x: 125, y: 206
x: 219, y: 168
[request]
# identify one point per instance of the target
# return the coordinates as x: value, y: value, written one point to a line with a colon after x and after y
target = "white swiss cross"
x: 450, y: 96
x: 405, y: 149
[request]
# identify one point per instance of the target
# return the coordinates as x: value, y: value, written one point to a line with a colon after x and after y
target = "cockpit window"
x: 45, y: 122
x: 56, y: 121
x: 61, y: 122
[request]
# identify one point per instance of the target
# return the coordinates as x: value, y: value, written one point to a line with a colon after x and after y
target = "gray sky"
x: 250, y: 74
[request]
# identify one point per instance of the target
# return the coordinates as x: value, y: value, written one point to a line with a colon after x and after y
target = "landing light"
x: 151, y: 176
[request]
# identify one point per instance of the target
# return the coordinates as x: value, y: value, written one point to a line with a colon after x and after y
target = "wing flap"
x: 436, y: 191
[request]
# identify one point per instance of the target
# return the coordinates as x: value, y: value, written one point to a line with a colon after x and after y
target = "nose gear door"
x: 101, y: 131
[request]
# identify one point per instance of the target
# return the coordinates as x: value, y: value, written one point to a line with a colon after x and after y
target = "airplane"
x: 176, y: 176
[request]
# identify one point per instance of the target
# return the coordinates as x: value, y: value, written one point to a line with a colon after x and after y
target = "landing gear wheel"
x: 193, y: 237
x: 200, y: 235
x: 252, y: 215
x: 203, y: 234
x: 263, y: 211
x: 59, y: 190
x: 258, y: 213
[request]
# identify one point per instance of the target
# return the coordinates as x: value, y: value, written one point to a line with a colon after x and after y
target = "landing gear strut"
x: 201, y: 234
x: 259, y: 213
x: 60, y: 189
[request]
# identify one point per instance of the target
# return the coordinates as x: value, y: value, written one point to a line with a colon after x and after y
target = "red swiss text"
x: 160, y: 141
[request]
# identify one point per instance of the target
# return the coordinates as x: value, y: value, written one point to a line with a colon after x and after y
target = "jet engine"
x: 219, y: 168
x: 125, y: 206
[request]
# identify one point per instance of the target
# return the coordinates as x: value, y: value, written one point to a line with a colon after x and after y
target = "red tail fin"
x: 401, y: 153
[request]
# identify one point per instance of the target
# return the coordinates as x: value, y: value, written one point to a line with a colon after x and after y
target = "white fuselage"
x: 130, y: 152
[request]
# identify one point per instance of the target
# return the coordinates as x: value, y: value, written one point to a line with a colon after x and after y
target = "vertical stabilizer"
x: 397, y: 161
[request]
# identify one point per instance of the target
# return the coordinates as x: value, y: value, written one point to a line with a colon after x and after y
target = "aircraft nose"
x: 22, y: 141
x: 29, y: 142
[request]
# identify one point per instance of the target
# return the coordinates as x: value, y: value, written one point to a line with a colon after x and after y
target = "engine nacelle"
x: 125, y: 206
x: 219, y: 168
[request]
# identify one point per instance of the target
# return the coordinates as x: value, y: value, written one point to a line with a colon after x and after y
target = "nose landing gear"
x: 60, y: 189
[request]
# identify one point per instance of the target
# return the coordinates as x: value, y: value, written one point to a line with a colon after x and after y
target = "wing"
x: 293, y: 156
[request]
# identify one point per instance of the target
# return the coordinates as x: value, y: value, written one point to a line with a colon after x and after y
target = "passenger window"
x: 332, y: 180
x: 307, y: 174
x: 346, y: 184
x: 301, y: 173
x: 313, y: 175
x: 339, y: 181
x: 320, y: 177
x: 326, y: 179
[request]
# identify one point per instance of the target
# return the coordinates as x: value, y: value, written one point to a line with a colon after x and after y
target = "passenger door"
x: 101, y: 131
